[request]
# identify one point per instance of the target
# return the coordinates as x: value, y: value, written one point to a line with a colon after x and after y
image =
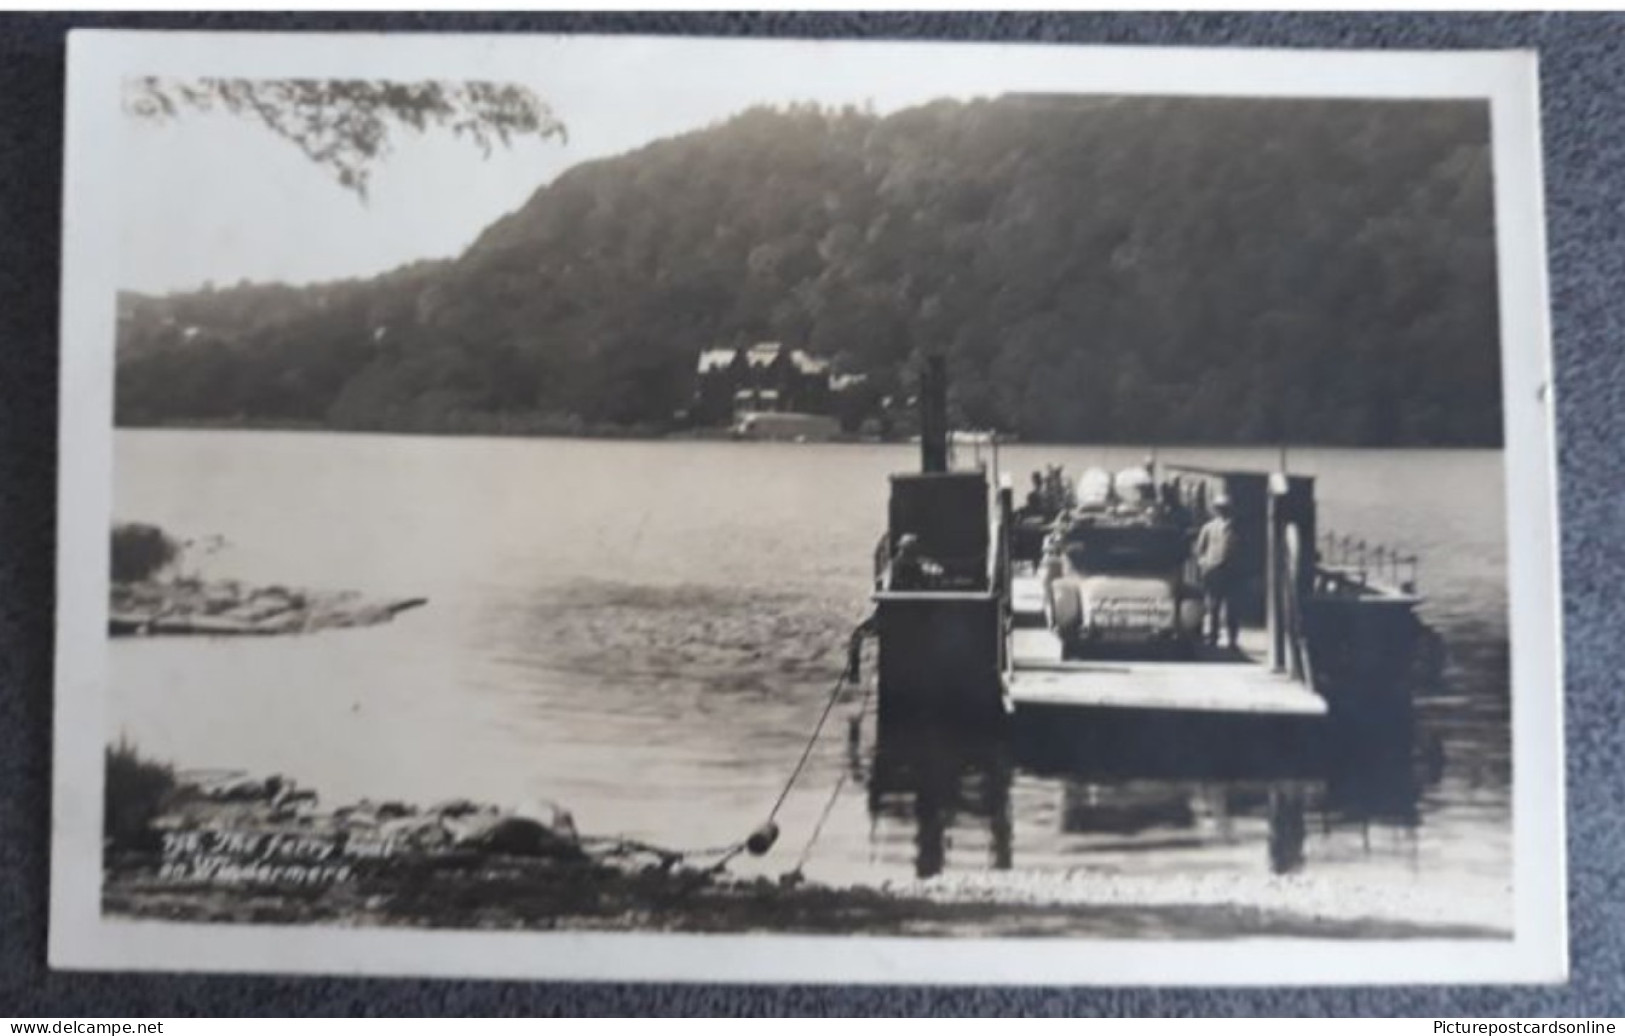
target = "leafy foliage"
x: 1104, y: 269
x: 344, y: 124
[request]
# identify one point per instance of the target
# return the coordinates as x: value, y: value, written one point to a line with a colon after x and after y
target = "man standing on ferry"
x: 1215, y: 553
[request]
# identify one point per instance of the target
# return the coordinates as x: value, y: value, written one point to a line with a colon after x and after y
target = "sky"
x: 211, y: 198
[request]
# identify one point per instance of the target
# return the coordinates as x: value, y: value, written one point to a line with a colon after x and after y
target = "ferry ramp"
x: 1219, y: 681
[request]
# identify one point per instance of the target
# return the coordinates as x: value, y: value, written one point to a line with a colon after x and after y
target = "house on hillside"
x: 765, y: 378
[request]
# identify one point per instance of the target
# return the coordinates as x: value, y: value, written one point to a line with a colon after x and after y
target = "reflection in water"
x: 935, y: 778
x: 1286, y: 830
x: 1129, y: 809
x: 938, y: 784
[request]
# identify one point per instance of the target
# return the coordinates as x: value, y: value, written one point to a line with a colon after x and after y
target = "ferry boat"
x: 1088, y: 612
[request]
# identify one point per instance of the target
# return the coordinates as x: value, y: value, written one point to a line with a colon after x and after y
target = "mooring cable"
x: 760, y: 840
x: 795, y: 873
x: 806, y: 751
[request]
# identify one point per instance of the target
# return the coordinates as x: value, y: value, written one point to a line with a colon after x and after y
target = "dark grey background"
x: 1583, y: 84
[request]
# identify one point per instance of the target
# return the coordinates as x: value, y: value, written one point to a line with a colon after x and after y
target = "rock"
x: 259, y: 609
x: 360, y: 814
x: 551, y: 815
x: 220, y: 598
x: 539, y: 829
x: 243, y: 789
x: 417, y: 834
x: 128, y: 624
x: 188, y: 606
x: 516, y: 836
x: 293, y: 796
x: 236, y: 803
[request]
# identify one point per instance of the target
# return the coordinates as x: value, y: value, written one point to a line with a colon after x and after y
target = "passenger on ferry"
x: 910, y: 568
x: 1052, y: 487
x: 1217, y: 566
x: 1173, y: 504
x: 1035, y: 496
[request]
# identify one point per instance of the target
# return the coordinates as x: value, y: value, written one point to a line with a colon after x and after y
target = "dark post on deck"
x: 934, y: 415
x: 1289, y: 568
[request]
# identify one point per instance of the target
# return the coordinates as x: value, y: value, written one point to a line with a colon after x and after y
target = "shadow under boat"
x: 946, y: 788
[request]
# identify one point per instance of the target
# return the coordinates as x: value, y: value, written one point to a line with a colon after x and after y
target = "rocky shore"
x: 192, y: 606
x: 150, y: 595
x: 230, y: 848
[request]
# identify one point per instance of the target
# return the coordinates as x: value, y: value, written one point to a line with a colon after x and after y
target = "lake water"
x: 645, y: 632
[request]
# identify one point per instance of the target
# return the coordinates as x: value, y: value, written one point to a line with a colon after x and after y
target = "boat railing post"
x: 1274, y: 574
x: 1002, y: 586
x: 1292, y: 602
x: 1006, y: 517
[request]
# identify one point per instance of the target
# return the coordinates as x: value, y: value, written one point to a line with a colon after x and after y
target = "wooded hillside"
x: 1140, y: 270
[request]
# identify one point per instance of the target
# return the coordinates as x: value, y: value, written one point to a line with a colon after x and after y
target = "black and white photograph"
x: 789, y: 510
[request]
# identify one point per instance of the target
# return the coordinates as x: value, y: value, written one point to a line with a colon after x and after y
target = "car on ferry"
x: 1118, y: 581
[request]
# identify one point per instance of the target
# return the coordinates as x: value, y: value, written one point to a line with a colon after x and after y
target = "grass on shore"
x: 135, y: 792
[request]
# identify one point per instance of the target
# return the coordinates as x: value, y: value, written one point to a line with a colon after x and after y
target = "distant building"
x: 765, y: 378
x: 793, y: 427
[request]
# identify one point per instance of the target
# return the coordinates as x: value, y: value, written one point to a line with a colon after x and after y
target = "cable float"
x: 762, y: 839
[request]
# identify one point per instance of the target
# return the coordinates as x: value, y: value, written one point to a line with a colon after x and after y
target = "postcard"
x: 792, y: 510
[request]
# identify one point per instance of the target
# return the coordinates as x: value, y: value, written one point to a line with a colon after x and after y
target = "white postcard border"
x: 80, y: 938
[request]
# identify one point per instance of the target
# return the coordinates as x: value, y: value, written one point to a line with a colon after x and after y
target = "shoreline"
x: 721, y: 435
x: 511, y: 894
x: 654, y: 908
x: 241, y: 850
